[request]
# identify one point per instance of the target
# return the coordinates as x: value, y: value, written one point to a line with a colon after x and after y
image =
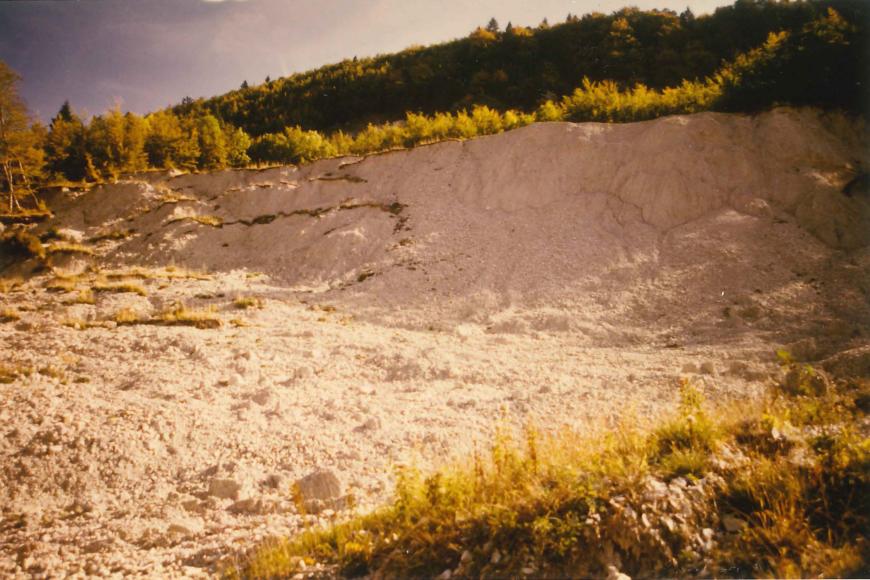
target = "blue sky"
x: 146, y: 54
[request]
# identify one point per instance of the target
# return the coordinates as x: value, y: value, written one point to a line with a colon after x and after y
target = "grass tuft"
x: 206, y: 220
x: 180, y: 315
x: 9, y: 315
x: 112, y: 235
x: 80, y: 324
x: 62, y: 247
x: 167, y: 273
x: 83, y: 297
x: 62, y: 284
x: 10, y: 374
x: 173, y: 197
x: 119, y: 287
x: 245, y: 302
x: 126, y: 316
x: 683, y: 444
x: 8, y: 285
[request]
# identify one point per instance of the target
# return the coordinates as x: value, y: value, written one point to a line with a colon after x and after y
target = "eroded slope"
x: 354, y: 313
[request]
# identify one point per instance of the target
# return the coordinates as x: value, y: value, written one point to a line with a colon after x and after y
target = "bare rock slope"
x: 239, y: 331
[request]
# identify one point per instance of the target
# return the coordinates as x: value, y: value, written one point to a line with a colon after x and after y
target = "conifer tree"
x: 65, y: 146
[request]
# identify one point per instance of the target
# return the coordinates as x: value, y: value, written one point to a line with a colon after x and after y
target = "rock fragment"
x: 322, y: 485
x: 224, y: 488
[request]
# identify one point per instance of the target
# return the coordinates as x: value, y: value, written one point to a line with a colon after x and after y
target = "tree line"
x: 822, y: 62
x: 115, y: 143
x: 517, y: 67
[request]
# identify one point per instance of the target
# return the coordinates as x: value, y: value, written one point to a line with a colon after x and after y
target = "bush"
x: 19, y: 244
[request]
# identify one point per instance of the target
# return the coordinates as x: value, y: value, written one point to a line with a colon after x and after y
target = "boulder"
x: 322, y: 485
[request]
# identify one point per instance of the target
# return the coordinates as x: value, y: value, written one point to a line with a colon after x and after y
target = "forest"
x: 627, y: 66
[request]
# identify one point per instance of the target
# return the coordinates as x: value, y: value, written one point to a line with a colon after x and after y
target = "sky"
x: 146, y: 54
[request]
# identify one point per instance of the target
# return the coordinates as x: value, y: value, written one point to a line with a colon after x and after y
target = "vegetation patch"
x: 53, y: 372
x: 61, y: 284
x: 112, y: 235
x: 127, y: 316
x: 167, y: 273
x: 83, y: 297
x: 245, y: 302
x: 173, y: 197
x: 206, y: 220
x: 62, y: 247
x: 783, y: 491
x: 9, y: 315
x: 119, y: 287
x: 183, y: 316
x: 26, y: 216
x: 80, y: 323
x: 19, y: 244
x: 52, y: 233
x: 9, y: 374
x: 10, y: 285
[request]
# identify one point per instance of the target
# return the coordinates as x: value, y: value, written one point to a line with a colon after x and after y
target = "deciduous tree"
x: 21, y: 156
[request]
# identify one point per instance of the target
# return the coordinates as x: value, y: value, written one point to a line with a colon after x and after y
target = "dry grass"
x: 69, y: 248
x: 127, y: 316
x: 83, y: 297
x: 112, y: 235
x: 9, y: 315
x: 80, y: 323
x: 53, y: 372
x: 28, y: 215
x: 245, y: 302
x: 785, y: 492
x: 11, y: 373
x: 8, y: 285
x: 209, y: 220
x: 173, y: 197
x: 206, y: 220
x: 21, y: 244
x: 167, y: 273
x: 119, y: 287
x: 62, y: 284
x: 180, y: 315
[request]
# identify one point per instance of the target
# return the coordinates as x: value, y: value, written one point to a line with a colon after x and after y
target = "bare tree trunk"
x: 13, y: 203
x: 27, y: 184
x: 9, y: 182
